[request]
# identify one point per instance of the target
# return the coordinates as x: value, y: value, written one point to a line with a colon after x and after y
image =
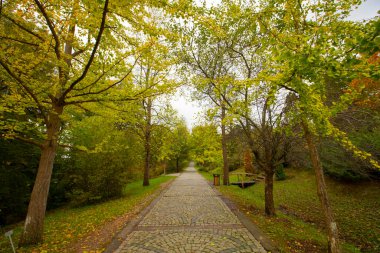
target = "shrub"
x: 280, y: 172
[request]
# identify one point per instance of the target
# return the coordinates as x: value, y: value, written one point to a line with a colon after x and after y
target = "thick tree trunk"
x: 269, y: 202
x: 226, y: 180
x: 147, y: 142
x: 333, y: 236
x: 34, y: 223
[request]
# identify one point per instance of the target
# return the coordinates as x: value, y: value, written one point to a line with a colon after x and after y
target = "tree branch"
x: 94, y: 50
x: 23, y: 27
x: 104, y: 73
x: 71, y: 147
x: 19, y: 41
x: 96, y: 100
x: 25, y: 87
x: 77, y: 53
x: 51, y: 28
x: 104, y: 89
x: 26, y: 140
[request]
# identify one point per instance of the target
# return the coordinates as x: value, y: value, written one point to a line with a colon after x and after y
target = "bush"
x: 96, y: 177
x: 18, y: 165
x: 280, y: 173
x: 100, y: 173
x: 341, y: 165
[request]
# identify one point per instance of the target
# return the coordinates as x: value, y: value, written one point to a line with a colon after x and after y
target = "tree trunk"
x: 333, y: 236
x: 226, y: 180
x: 147, y: 164
x: 177, y: 164
x: 248, y: 161
x: 266, y: 138
x: 147, y: 142
x: 269, y: 202
x: 34, y: 223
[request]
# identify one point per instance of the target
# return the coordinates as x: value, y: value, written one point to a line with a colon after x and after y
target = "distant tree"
x: 205, y: 147
x: 180, y: 144
x: 153, y: 73
x: 205, y: 53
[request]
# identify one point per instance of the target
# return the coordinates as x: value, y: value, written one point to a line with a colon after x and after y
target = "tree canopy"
x: 86, y: 86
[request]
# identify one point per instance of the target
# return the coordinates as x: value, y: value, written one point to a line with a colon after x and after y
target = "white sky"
x: 186, y: 108
x: 191, y: 111
x: 367, y: 10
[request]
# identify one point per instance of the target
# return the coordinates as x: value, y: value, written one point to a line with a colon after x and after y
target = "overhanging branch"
x: 25, y: 87
x: 94, y: 50
x: 51, y: 28
x: 26, y: 140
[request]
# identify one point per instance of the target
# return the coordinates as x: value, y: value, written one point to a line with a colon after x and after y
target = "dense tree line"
x: 107, y: 155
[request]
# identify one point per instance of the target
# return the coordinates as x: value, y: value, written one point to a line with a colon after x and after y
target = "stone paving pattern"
x: 190, y: 217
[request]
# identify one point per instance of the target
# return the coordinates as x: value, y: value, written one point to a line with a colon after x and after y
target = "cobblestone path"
x: 190, y: 217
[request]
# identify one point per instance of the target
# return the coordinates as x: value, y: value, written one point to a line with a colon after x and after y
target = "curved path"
x: 189, y: 217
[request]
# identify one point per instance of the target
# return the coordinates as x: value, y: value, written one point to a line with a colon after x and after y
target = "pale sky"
x: 190, y: 110
x: 367, y: 10
x: 186, y: 108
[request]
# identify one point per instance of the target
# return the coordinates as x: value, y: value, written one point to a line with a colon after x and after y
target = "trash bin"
x: 216, y: 179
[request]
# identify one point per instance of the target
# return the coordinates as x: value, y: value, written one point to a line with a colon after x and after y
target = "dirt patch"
x: 298, y: 246
x: 251, y: 208
x: 304, y: 217
x: 97, y: 240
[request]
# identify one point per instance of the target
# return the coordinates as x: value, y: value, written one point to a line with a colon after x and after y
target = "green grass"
x: 66, y: 225
x: 299, y: 224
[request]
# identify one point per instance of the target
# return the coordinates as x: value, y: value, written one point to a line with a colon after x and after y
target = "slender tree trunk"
x: 266, y: 135
x: 226, y: 180
x: 177, y: 164
x: 269, y: 201
x: 248, y: 161
x: 267, y: 139
x: 333, y: 236
x: 34, y: 223
x: 147, y: 142
x: 147, y: 164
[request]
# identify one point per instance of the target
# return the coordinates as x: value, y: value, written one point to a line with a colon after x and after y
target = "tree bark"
x: 147, y: 141
x: 248, y: 161
x: 177, y: 164
x: 226, y: 180
x: 269, y: 202
x: 34, y: 223
x: 333, y: 235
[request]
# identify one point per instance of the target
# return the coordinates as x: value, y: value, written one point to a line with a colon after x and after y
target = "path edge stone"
x: 252, y: 228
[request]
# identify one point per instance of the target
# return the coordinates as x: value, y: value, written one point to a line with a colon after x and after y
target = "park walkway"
x: 190, y: 217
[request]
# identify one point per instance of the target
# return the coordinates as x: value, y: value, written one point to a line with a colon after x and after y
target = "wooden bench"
x: 243, y: 179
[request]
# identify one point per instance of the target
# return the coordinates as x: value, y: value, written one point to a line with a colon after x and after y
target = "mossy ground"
x: 65, y: 226
x: 299, y: 224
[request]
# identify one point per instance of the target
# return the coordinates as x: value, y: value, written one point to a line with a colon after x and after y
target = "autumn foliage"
x: 368, y: 87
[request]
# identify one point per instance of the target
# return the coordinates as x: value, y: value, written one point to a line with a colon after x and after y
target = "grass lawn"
x: 65, y: 226
x: 299, y: 224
